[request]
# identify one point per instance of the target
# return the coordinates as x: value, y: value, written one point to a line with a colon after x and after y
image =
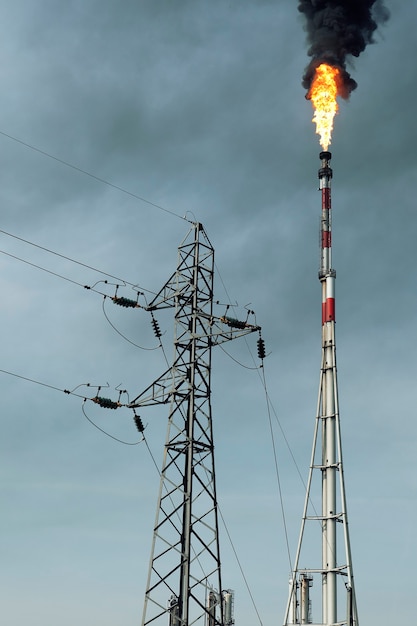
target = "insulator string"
x: 240, y: 567
x: 126, y: 443
x: 121, y: 334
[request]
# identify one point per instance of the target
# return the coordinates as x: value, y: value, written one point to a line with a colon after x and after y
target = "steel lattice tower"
x: 329, y: 521
x: 184, y: 580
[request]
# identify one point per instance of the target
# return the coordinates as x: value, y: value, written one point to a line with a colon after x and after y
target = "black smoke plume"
x: 338, y: 30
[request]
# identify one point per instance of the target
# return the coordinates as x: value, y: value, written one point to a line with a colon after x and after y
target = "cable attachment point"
x: 240, y: 324
x: 125, y: 302
x: 106, y: 403
x: 232, y: 322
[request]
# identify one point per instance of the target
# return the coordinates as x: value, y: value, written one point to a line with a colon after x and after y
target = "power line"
x: 66, y: 258
x: 74, y: 282
x: 83, y: 397
x: 44, y: 269
x: 37, y: 382
x: 246, y: 367
x: 124, y: 336
x: 274, y: 450
x: 271, y: 409
x: 269, y: 402
x: 126, y: 443
x: 93, y: 176
x: 240, y: 568
x: 103, y: 402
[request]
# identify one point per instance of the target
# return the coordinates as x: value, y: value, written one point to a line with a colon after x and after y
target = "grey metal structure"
x: 184, y: 580
x: 326, y: 520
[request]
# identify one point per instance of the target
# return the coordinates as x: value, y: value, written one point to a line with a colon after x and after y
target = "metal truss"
x: 184, y: 579
x: 328, y: 521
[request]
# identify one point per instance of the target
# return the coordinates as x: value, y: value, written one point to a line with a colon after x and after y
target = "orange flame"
x: 323, y: 92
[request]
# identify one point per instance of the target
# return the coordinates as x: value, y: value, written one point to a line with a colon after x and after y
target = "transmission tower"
x: 184, y: 583
x: 325, y: 526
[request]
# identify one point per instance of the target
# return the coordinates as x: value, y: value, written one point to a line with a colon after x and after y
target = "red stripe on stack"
x: 326, y: 239
x: 328, y: 313
x: 325, y: 198
x: 330, y: 310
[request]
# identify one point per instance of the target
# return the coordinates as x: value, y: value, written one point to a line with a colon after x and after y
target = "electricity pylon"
x: 184, y: 580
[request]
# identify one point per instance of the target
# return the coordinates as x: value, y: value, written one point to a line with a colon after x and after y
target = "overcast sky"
x: 197, y: 106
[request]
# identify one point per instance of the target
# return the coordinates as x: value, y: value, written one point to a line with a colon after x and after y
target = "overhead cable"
x: 93, y: 176
x: 63, y: 256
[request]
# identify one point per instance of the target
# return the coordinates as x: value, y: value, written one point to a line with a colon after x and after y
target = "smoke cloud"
x: 337, y: 30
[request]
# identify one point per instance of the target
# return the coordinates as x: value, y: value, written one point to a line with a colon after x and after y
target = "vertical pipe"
x: 305, y: 599
x: 174, y: 619
x: 328, y: 409
x: 211, y: 609
x: 228, y: 599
